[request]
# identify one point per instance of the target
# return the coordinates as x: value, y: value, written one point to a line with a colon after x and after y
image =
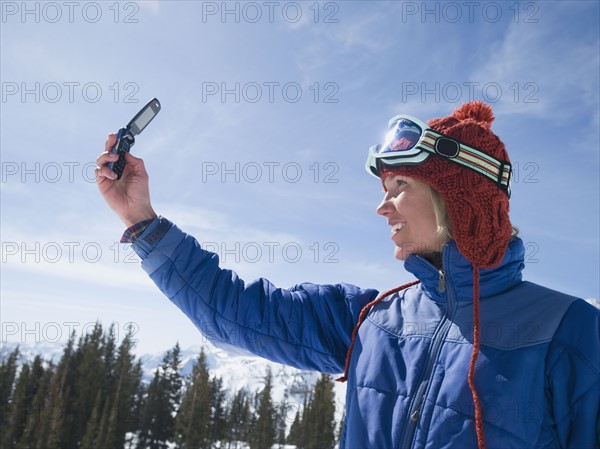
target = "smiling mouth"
x: 397, y: 227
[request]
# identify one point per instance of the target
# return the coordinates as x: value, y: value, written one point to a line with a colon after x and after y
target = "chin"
x: 400, y: 254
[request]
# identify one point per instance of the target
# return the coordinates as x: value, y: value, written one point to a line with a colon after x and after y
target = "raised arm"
x: 307, y: 326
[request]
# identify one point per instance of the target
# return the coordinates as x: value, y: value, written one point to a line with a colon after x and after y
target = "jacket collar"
x: 458, y: 272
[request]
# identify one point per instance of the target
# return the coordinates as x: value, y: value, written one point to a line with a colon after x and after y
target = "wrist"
x: 142, y: 216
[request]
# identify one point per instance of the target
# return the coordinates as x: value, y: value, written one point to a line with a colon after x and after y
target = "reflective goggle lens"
x: 404, y: 135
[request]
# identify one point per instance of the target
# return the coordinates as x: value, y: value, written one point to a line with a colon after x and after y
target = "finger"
x: 110, y: 141
x: 103, y: 172
x: 106, y: 157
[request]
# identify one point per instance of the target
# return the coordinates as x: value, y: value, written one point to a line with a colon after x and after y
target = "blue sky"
x: 268, y: 110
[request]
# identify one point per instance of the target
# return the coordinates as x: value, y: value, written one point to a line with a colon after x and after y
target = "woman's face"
x: 408, y: 208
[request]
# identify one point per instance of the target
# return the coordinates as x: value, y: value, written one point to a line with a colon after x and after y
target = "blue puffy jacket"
x: 538, y: 371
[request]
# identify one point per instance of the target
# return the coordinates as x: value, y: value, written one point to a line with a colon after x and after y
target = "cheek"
x: 425, y: 220
x: 418, y: 211
x: 429, y: 219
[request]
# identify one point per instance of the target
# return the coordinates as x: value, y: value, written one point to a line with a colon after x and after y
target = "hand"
x: 129, y: 197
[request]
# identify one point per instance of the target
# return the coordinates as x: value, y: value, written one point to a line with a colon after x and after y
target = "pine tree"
x: 302, y: 435
x: 295, y: 435
x: 100, y: 429
x: 118, y: 418
x: 149, y: 410
x: 35, y: 434
x: 52, y: 404
x: 192, y: 426
x: 218, y: 411
x: 54, y: 431
x: 94, y: 424
x: 341, y: 428
x: 15, y: 410
x: 262, y: 435
x: 90, y: 389
x: 238, y: 418
x: 157, y: 425
x: 319, y: 425
x: 25, y: 390
x: 133, y: 423
x: 280, y: 423
x: 8, y: 370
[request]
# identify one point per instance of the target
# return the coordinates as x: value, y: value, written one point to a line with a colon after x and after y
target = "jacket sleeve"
x: 573, y: 377
x: 307, y: 326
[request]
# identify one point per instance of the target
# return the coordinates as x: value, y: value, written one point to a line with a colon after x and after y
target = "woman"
x: 469, y: 355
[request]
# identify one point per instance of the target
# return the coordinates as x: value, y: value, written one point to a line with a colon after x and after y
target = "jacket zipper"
x: 436, y: 345
x: 442, y: 281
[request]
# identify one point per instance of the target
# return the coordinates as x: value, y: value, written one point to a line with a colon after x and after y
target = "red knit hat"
x: 477, y: 207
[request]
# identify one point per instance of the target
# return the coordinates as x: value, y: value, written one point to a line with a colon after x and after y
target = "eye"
x: 396, y: 187
x: 399, y: 185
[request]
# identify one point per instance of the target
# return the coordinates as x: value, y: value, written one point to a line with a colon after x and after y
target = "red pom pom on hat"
x: 477, y: 111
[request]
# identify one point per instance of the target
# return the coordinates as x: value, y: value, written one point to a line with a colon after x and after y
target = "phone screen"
x: 144, y: 119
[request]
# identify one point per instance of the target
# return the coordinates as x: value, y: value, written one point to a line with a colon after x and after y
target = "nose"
x: 386, y: 206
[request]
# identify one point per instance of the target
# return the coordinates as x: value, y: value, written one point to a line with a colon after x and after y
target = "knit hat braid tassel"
x: 474, y: 356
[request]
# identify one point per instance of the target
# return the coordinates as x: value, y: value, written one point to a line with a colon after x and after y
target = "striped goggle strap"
x: 500, y: 172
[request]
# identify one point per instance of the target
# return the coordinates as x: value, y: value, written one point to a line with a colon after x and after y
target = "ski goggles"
x: 410, y: 141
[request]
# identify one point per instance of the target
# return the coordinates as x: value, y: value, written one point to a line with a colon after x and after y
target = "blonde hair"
x: 442, y: 218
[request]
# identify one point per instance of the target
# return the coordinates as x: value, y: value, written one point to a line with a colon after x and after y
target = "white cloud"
x: 210, y: 225
x: 562, y: 72
x: 152, y: 6
x: 98, y: 261
x: 355, y: 34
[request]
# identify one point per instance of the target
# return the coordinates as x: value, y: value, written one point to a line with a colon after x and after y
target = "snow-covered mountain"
x: 237, y: 371
x: 240, y: 371
x: 50, y: 352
